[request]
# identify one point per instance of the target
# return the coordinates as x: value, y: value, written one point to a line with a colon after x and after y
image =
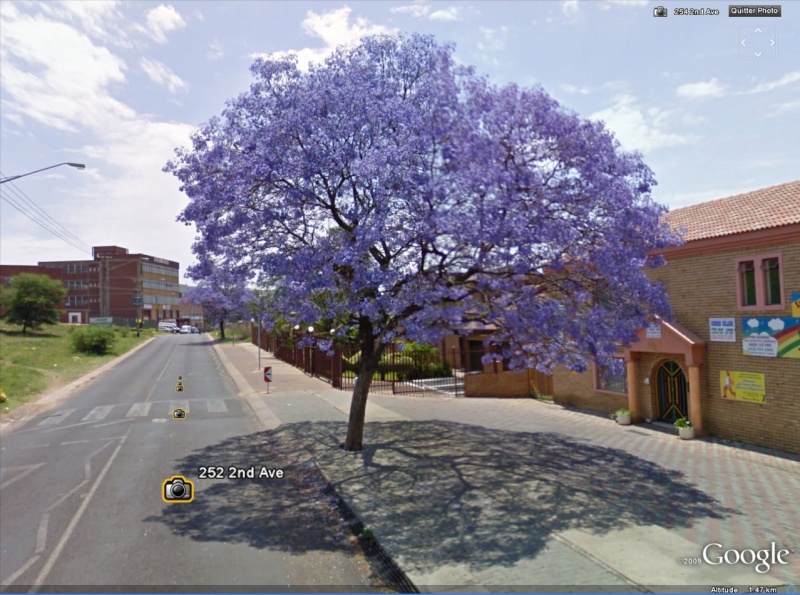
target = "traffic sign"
x: 268, y: 374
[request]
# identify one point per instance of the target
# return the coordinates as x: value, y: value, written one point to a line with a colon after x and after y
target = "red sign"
x: 268, y: 374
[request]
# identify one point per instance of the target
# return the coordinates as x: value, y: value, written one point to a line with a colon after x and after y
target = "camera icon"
x: 179, y: 413
x: 177, y: 489
x: 660, y: 11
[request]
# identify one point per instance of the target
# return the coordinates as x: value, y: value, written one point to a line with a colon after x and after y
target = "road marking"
x: 10, y: 580
x: 76, y: 518
x: 173, y: 405
x: 28, y: 469
x: 111, y: 423
x: 41, y: 537
x: 74, y: 442
x: 56, y: 418
x: 139, y: 410
x: 99, y: 413
x: 216, y: 406
x: 67, y: 495
x: 158, y: 419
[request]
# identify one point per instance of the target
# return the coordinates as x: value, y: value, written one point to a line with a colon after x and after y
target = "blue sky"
x: 118, y: 85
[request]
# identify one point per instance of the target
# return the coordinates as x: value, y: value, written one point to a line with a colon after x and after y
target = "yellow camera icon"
x: 177, y: 490
x: 179, y: 413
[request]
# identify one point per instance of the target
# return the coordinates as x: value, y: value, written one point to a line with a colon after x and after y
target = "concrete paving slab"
x: 655, y: 557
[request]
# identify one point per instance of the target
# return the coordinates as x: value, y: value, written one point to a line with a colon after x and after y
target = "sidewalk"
x: 497, y: 495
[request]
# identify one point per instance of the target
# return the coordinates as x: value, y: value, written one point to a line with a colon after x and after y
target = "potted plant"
x: 685, y: 429
x: 623, y: 417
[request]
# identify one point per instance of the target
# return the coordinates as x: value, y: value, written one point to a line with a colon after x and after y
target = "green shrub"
x: 95, y: 340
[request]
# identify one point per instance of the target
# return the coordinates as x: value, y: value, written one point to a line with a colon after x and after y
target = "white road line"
x: 74, y: 442
x: 99, y: 413
x: 111, y: 423
x: 67, y: 495
x: 75, y: 519
x: 216, y: 406
x: 28, y: 469
x: 173, y: 405
x: 139, y: 410
x: 56, y: 418
x: 10, y: 580
x: 41, y: 537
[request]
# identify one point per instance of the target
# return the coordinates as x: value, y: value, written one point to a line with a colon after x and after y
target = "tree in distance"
x: 33, y: 300
x: 402, y: 194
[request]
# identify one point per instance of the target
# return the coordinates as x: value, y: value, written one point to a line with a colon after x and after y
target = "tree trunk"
x: 371, y: 351
x: 222, y: 329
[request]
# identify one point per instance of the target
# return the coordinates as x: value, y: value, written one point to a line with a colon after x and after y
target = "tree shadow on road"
x: 440, y: 492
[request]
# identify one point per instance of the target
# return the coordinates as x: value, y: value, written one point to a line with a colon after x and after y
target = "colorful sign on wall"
x: 796, y: 304
x: 771, y: 337
x: 722, y: 329
x: 742, y: 386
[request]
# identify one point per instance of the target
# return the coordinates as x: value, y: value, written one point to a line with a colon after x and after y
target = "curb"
x: 46, y: 399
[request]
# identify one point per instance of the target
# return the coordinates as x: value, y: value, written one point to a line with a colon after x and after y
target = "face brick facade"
x: 726, y: 269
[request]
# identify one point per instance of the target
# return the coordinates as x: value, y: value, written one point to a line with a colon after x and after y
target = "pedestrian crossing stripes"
x: 198, y: 407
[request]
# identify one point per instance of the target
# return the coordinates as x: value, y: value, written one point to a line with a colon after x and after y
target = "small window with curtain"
x: 747, y: 280
x: 772, y: 281
x: 613, y: 377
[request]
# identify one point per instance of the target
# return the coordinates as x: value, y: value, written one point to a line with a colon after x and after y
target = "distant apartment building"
x: 114, y: 284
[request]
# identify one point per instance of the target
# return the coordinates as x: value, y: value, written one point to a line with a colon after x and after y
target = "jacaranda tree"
x: 395, y: 190
x: 222, y: 294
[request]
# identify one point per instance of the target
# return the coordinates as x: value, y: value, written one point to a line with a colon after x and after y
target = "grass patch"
x: 37, y: 361
x: 234, y: 333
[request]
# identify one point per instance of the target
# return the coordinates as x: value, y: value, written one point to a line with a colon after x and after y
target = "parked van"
x: 169, y: 327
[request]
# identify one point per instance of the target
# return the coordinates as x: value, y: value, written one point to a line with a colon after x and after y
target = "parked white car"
x: 186, y: 329
x: 169, y: 327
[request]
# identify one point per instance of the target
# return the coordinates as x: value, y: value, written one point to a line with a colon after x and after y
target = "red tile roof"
x: 761, y: 209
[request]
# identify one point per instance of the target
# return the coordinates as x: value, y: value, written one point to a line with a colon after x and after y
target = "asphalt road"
x: 82, y: 490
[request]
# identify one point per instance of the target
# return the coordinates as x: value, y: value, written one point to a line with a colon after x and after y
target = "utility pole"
x: 138, y: 298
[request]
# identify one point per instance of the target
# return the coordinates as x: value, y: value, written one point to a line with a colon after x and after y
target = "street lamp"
x: 75, y: 165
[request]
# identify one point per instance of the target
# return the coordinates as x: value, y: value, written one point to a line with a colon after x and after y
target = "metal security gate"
x: 672, y: 392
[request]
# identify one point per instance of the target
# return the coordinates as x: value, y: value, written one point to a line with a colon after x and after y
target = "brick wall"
x: 700, y: 287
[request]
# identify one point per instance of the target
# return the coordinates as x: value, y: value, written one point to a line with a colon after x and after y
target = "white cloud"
x: 417, y: 10
x: 161, y: 20
x: 644, y: 130
x: 776, y: 324
x: 54, y: 74
x: 100, y: 20
x: 786, y: 79
x: 216, y: 51
x: 753, y: 323
x: 569, y: 7
x: 334, y: 29
x: 782, y: 108
x: 451, y: 13
x: 712, y: 88
x: 574, y: 89
x: 160, y: 74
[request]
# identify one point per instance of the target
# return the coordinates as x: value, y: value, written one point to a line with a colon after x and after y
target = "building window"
x: 772, y: 281
x: 747, y: 273
x: 612, y: 378
x: 759, y: 282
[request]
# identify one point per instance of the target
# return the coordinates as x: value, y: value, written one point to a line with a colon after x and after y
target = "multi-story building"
x: 116, y: 284
x: 730, y: 358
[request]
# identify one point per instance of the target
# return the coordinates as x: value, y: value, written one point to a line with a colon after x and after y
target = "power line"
x: 23, y: 204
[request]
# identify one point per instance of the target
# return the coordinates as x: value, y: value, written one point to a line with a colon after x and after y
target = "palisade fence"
x: 400, y: 372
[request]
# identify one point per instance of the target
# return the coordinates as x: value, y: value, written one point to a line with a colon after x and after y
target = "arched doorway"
x: 672, y: 391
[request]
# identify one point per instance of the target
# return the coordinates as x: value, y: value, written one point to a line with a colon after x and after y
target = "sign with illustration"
x: 653, y: 330
x: 796, y: 304
x: 742, y: 386
x: 722, y: 330
x: 771, y: 337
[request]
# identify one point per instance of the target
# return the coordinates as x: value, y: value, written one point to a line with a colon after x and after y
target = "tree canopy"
x: 400, y: 192
x: 33, y: 300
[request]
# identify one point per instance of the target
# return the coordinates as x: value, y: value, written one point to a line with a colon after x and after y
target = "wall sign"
x: 722, y: 329
x: 771, y: 337
x: 653, y: 330
x: 796, y: 304
x: 742, y: 386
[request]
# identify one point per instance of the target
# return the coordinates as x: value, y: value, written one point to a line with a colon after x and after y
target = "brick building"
x: 730, y: 359
x: 106, y: 285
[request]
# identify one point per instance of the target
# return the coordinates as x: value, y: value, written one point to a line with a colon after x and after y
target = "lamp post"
x: 12, y: 178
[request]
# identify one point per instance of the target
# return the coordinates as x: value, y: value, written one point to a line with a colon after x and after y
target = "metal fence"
x: 432, y: 371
